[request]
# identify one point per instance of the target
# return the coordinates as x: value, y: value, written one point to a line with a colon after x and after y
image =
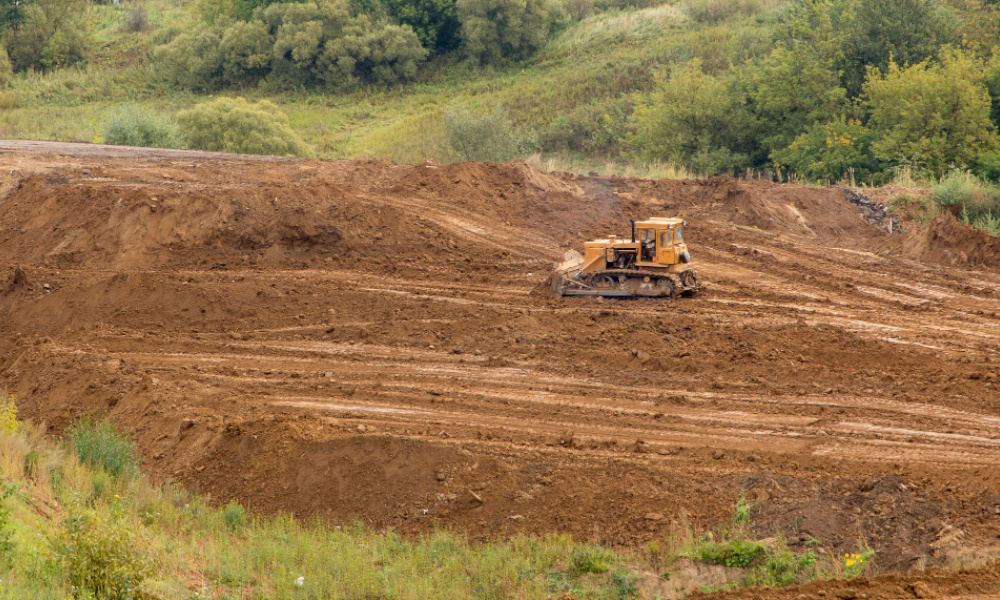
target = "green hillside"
x: 822, y: 89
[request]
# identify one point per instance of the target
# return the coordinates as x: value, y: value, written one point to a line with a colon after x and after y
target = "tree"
x: 902, y: 31
x: 46, y: 34
x: 495, y: 31
x: 933, y: 113
x: 193, y: 60
x: 791, y: 89
x: 235, y: 125
x: 690, y: 118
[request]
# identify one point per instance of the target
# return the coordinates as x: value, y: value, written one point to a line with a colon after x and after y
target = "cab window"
x: 648, y: 235
x: 680, y: 238
x: 666, y: 238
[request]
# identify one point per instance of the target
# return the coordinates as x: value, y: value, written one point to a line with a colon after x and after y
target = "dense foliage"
x: 235, y: 125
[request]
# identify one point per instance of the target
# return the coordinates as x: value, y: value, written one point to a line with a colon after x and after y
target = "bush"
x: 234, y: 515
x: 826, y: 152
x: 958, y: 187
x: 133, y: 126
x: 489, y: 136
x: 136, y: 18
x: 591, y: 560
x: 294, y: 44
x: 99, y: 445
x: 235, y: 125
x: 8, y: 414
x: 496, y: 31
x: 102, y: 558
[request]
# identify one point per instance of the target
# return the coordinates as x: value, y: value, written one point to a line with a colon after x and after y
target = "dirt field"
x: 375, y: 341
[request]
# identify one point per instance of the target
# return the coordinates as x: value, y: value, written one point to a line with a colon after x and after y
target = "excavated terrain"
x: 374, y: 341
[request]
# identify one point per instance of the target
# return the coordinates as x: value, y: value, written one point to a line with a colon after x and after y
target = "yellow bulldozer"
x: 656, y: 264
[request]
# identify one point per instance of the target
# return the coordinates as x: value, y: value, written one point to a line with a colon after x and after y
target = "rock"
x: 187, y: 424
x: 718, y: 454
x: 654, y: 516
x: 566, y: 440
x: 846, y: 594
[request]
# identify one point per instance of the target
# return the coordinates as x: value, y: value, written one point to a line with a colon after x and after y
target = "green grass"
x: 73, y: 527
x: 70, y: 528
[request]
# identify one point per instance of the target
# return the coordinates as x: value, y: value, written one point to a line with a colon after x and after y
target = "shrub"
x: 827, y: 151
x: 957, y: 187
x: 489, y: 136
x: 133, y: 126
x: 235, y: 125
x: 99, y: 445
x: 234, y: 515
x: 136, y: 18
x: 496, y: 31
x: 8, y: 414
x: 294, y: 44
x: 102, y: 557
x: 590, y: 560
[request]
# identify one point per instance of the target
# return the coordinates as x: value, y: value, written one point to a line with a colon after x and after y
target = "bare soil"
x: 373, y: 341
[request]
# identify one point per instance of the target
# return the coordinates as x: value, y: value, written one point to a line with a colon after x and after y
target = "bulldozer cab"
x: 659, y: 241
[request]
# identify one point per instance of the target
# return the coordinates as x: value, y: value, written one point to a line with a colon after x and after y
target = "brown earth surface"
x: 376, y: 341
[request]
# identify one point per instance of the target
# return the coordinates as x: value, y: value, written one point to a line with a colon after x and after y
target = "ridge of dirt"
x: 371, y: 340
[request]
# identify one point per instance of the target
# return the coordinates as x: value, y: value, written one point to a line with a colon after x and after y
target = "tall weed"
x: 99, y: 445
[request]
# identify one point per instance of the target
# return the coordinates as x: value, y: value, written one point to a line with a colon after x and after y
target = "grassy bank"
x: 78, y: 519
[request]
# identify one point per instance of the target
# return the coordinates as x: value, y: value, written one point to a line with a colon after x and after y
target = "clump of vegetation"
x: 134, y: 126
x: 99, y: 445
x: 101, y: 555
x: 495, y: 31
x: 488, y: 136
x: 319, y: 44
x: 236, y: 125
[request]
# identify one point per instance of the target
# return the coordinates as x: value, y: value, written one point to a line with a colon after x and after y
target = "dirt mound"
x: 299, y: 214
x: 367, y: 340
x: 950, y: 242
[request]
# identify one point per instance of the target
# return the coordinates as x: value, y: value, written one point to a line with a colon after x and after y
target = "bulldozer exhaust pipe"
x: 632, y: 221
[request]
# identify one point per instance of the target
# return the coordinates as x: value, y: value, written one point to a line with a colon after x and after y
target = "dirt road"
x: 374, y: 340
